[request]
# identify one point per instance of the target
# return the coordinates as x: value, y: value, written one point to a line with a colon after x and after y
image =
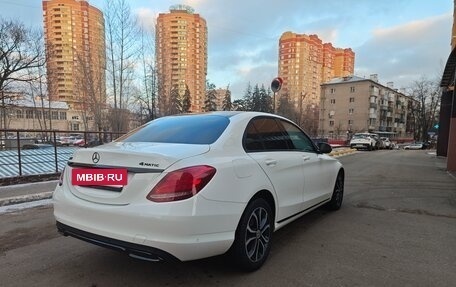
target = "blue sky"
x: 399, y: 40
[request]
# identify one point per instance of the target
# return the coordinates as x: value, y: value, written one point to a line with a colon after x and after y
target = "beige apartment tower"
x: 181, y: 55
x: 75, y: 45
x: 305, y: 62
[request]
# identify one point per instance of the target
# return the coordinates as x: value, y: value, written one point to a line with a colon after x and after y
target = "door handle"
x: 270, y: 162
x: 306, y: 158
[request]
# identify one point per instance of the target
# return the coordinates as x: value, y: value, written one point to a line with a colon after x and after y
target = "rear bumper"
x: 185, y: 230
x: 133, y: 250
x: 360, y: 145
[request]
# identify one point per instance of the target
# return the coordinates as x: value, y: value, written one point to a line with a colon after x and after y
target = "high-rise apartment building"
x: 75, y: 45
x: 181, y: 55
x: 305, y: 62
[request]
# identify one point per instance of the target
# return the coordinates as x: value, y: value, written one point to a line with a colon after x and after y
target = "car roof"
x: 230, y: 114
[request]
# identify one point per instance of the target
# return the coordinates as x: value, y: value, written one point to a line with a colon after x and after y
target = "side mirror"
x: 324, y: 147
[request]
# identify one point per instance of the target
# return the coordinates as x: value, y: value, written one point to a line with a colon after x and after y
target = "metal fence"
x: 36, y: 152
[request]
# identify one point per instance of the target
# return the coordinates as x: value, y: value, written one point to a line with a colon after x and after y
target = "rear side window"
x: 188, y: 129
x: 265, y: 134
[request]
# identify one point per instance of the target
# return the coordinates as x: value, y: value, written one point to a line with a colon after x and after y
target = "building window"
x: 331, y: 123
x: 350, y: 111
x: 352, y: 100
x: 37, y: 114
x: 75, y: 127
x: 19, y: 114
x: 350, y: 122
x: 75, y: 117
x: 55, y: 115
x: 352, y: 89
x: 332, y: 101
x: 63, y: 115
x: 29, y: 114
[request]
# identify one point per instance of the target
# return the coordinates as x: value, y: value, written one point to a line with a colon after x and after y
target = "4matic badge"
x: 149, y: 164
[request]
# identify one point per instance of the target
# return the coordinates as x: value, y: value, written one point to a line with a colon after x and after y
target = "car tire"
x: 338, y: 193
x: 252, y: 241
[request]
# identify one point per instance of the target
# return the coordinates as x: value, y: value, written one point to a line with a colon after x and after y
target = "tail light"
x: 61, y: 177
x: 182, y: 183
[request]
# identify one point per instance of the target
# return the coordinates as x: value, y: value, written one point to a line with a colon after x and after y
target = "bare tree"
x: 147, y: 95
x: 37, y: 86
x: 427, y: 93
x: 92, y: 94
x: 122, y: 32
x: 18, y: 52
x: 301, y: 105
x: 286, y: 107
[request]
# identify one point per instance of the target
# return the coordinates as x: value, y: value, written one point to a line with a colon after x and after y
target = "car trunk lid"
x: 144, y: 162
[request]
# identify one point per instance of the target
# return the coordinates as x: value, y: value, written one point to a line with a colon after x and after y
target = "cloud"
x: 147, y: 18
x: 404, y: 53
x: 243, y: 36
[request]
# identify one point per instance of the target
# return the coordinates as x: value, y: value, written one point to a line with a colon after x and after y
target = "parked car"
x: 79, y: 142
x: 68, y: 141
x: 417, y: 145
x: 386, y: 143
x: 364, y: 141
x: 37, y: 146
x: 198, y: 186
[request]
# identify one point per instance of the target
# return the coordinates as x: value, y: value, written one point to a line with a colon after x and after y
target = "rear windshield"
x: 359, y: 136
x: 189, y: 129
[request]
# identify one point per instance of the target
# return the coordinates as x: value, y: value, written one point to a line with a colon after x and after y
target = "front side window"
x: 300, y: 140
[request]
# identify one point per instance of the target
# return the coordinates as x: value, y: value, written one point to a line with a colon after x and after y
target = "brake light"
x: 61, y: 177
x: 182, y: 183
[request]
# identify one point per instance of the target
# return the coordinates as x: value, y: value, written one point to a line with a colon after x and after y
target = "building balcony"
x: 372, y: 116
x: 384, y: 107
x: 373, y: 105
x: 374, y: 92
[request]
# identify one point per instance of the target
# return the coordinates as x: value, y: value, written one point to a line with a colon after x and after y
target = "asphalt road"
x: 397, y: 227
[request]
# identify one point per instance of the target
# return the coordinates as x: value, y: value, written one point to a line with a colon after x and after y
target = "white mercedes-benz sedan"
x: 193, y: 186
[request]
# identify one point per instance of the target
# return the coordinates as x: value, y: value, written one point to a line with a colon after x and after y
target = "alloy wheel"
x: 258, y: 234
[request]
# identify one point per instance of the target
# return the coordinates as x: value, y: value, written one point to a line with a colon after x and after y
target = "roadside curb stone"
x: 25, y: 198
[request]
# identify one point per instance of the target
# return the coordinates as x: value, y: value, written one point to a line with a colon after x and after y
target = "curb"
x: 342, y: 152
x: 25, y: 198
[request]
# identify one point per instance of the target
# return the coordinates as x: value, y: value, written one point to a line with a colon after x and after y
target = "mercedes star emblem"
x: 95, y: 157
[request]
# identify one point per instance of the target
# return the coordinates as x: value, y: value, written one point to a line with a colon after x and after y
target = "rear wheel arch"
x: 266, y: 195
x: 253, y: 235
